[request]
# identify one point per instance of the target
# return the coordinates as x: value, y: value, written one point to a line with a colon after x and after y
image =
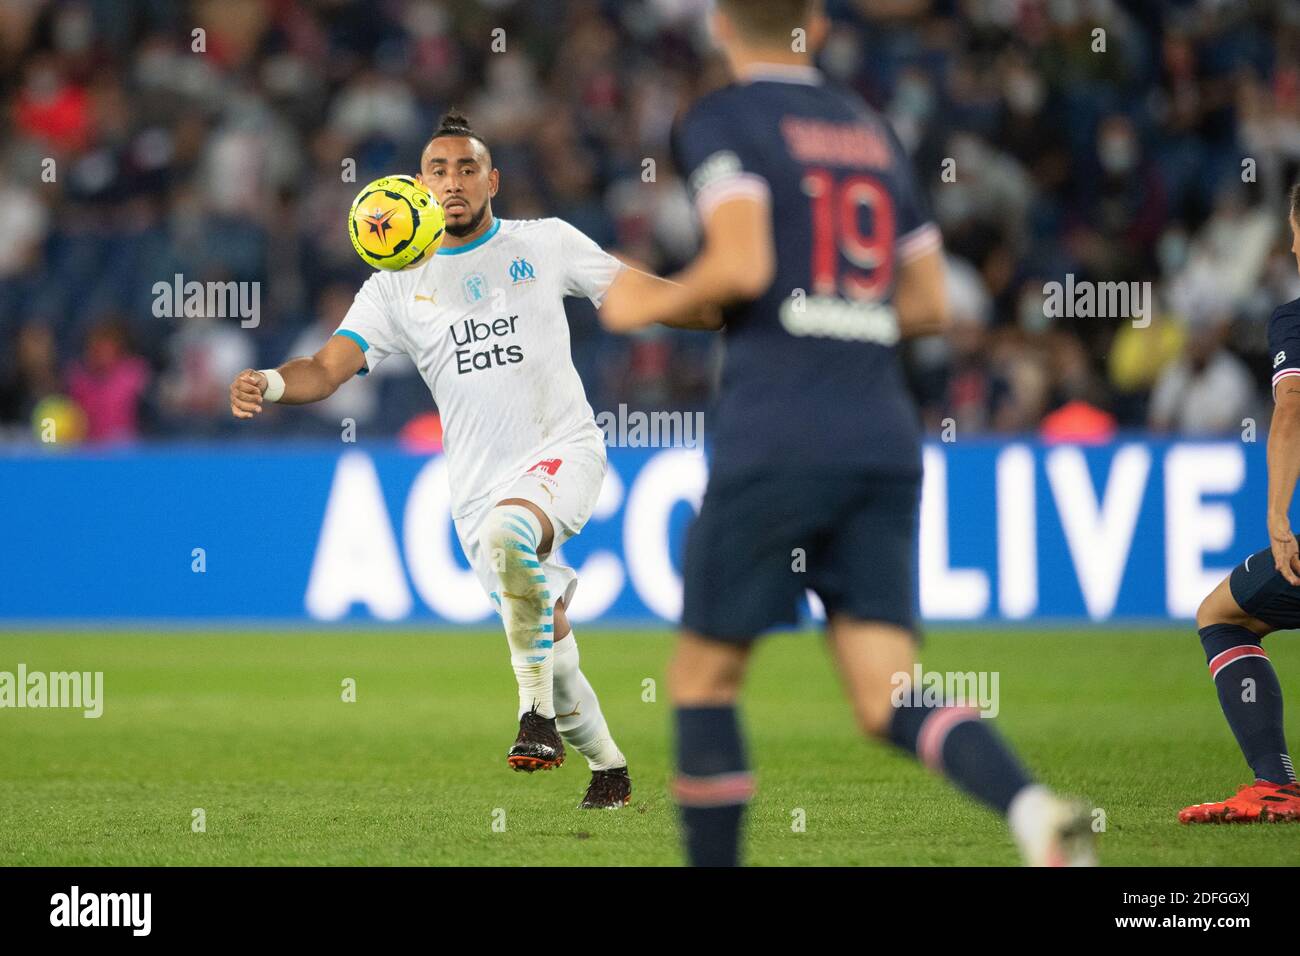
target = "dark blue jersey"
x: 811, y: 377
x: 1284, y: 341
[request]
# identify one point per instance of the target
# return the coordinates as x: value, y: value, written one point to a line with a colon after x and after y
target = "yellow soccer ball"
x: 395, y: 223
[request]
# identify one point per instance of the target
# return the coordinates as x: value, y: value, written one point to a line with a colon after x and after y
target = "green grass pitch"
x: 251, y: 728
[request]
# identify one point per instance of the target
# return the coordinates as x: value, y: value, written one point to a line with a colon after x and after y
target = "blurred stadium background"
x: 1101, y: 472
x: 223, y: 141
x: 225, y: 165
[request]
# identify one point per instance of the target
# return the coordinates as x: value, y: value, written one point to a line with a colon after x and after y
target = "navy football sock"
x: 958, y: 743
x: 1251, y: 698
x: 713, y: 784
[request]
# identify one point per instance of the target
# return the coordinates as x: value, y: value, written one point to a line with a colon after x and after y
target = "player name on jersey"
x: 836, y: 143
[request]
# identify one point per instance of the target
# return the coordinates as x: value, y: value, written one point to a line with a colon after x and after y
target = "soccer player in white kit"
x: 484, y: 322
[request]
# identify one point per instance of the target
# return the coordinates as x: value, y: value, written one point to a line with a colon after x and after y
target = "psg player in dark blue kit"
x: 818, y: 251
x: 1260, y: 596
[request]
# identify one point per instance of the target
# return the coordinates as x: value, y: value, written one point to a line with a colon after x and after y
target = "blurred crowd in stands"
x: 1107, y: 140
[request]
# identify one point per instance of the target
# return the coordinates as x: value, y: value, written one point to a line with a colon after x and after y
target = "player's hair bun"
x: 454, y: 123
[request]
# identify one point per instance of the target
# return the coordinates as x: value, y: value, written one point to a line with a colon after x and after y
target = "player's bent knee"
x: 1207, y: 612
x: 506, y: 540
x: 562, y: 628
x: 495, y: 539
x: 1219, y: 607
x: 875, y: 715
x: 530, y: 512
x: 695, y: 686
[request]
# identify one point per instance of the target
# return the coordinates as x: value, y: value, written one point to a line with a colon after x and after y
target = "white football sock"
x: 509, y: 541
x: 577, y: 711
x: 1026, y: 807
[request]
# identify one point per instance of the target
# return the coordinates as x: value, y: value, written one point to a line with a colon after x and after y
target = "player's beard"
x: 475, y: 220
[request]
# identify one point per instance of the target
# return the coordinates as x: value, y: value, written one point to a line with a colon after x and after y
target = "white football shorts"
x: 565, y: 483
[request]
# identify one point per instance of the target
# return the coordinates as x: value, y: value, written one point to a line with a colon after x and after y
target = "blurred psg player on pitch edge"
x: 1261, y: 595
x: 819, y: 250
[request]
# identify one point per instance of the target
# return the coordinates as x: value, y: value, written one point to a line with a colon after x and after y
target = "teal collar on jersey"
x: 492, y: 231
x: 783, y: 73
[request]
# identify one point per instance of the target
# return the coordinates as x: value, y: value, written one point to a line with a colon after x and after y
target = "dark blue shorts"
x: 1260, y: 590
x: 759, y: 542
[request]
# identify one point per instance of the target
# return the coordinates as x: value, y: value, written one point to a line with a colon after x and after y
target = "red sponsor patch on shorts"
x: 548, y: 465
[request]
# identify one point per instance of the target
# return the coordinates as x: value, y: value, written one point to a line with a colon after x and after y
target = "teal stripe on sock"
x: 516, y: 525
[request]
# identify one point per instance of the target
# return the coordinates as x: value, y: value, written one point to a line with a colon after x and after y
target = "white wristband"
x: 274, y: 385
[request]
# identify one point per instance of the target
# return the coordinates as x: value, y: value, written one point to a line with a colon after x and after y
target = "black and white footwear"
x: 608, y: 790
x: 538, y: 746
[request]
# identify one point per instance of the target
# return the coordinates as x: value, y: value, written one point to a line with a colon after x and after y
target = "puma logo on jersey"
x: 1278, y: 359
x: 431, y: 299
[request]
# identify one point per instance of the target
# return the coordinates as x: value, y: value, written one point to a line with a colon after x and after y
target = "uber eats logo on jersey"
x: 470, y: 333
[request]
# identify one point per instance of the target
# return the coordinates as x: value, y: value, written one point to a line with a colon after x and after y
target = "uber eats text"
x: 471, y: 332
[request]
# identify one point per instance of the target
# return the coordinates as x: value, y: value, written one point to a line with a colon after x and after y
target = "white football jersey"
x: 485, y: 325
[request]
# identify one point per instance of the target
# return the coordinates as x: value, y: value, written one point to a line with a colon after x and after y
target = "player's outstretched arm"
x: 737, y: 263
x: 921, y: 297
x: 635, y: 283
x: 299, y: 381
x: 1283, y: 472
